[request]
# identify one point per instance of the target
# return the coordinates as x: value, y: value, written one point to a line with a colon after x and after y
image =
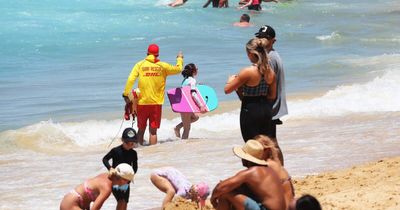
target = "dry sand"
x: 375, y: 185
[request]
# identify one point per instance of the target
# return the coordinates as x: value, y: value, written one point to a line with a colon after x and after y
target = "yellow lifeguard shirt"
x: 152, y: 75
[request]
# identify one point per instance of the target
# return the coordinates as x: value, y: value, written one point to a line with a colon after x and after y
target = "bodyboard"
x: 181, y: 99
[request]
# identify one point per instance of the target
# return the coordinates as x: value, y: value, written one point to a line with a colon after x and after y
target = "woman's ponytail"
x: 258, y: 47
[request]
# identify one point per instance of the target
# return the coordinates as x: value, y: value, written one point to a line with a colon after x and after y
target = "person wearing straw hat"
x: 256, y: 188
x: 96, y: 190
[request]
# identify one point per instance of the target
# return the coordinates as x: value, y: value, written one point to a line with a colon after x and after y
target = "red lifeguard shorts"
x: 151, y: 113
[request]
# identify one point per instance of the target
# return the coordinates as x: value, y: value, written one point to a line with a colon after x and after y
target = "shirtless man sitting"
x: 256, y: 188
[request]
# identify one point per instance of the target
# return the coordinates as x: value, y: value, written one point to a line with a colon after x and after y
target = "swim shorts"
x: 250, y: 204
x: 151, y: 113
x: 121, y: 194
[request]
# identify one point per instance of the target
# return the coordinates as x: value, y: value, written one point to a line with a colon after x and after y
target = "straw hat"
x: 125, y: 171
x: 251, y: 151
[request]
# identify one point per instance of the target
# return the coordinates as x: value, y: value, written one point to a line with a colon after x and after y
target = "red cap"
x: 153, y: 49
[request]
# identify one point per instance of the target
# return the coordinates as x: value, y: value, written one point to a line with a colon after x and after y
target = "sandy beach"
x: 374, y: 185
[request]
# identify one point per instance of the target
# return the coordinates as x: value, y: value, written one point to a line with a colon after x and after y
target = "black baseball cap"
x: 265, y: 32
x: 129, y: 135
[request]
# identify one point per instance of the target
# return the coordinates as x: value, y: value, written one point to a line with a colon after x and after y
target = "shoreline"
x: 224, y: 106
x: 370, y: 185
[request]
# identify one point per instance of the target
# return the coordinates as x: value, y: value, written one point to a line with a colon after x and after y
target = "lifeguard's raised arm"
x: 170, y: 69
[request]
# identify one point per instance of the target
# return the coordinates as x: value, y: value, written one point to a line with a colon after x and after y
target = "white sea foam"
x: 334, y: 35
x: 49, y: 134
x: 382, y: 94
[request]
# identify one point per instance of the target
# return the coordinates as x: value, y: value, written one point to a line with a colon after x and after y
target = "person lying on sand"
x: 257, y: 187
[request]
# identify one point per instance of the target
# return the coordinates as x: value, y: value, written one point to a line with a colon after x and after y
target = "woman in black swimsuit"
x: 256, y: 86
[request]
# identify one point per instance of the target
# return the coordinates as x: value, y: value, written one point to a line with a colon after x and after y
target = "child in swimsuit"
x: 123, y: 153
x: 189, y: 72
x: 172, y: 182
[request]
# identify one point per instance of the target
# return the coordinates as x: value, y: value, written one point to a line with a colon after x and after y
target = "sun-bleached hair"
x: 258, y: 47
x: 268, y: 143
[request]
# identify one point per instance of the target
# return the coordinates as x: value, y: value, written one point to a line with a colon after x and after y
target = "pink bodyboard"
x: 181, y: 100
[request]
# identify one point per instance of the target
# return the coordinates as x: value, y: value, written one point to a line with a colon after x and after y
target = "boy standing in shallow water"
x: 123, y: 154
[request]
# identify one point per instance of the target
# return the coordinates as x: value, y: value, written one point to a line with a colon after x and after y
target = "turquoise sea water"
x: 63, y: 67
x: 70, y: 58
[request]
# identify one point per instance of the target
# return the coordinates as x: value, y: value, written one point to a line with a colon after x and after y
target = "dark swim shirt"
x: 120, y: 155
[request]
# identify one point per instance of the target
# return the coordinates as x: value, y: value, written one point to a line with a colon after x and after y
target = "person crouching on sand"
x: 97, y: 189
x: 172, y: 182
x: 257, y: 187
x: 189, y: 73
